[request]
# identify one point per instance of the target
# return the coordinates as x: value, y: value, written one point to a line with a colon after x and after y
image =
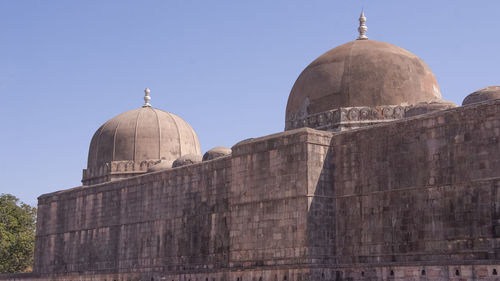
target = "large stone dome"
x: 361, y: 73
x: 133, y: 141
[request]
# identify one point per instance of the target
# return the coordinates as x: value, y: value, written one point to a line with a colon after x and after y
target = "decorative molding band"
x: 118, y: 169
x: 333, y: 120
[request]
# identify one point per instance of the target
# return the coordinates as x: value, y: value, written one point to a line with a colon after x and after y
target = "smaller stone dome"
x: 163, y: 165
x: 187, y: 160
x: 488, y: 93
x: 216, y: 152
x: 131, y: 142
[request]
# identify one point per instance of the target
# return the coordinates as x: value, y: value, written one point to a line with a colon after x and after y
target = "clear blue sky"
x: 226, y: 67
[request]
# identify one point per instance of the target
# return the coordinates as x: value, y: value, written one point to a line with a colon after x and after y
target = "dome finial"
x: 362, y: 27
x: 147, y: 98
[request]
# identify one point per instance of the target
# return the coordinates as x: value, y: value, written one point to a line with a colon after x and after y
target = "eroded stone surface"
x: 186, y: 160
x: 382, y: 202
x: 163, y: 165
x: 428, y: 107
x: 216, y: 152
x: 487, y: 93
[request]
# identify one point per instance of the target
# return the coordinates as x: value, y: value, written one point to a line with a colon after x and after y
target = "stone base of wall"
x: 458, y: 272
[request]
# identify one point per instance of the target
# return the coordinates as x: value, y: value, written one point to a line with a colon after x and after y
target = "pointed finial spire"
x: 147, y: 98
x: 362, y: 27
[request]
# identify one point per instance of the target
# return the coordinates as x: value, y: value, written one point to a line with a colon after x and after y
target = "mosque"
x: 375, y: 177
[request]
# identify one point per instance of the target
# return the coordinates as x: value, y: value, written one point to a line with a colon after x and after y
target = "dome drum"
x: 116, y: 170
x: 347, y: 118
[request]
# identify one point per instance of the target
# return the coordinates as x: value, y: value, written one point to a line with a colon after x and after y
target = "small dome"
x: 488, y: 93
x: 137, y: 139
x: 163, y: 165
x: 186, y: 160
x: 216, y: 152
x: 361, y: 73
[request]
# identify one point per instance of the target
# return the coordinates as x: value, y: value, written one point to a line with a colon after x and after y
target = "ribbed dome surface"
x: 142, y: 134
x: 361, y: 73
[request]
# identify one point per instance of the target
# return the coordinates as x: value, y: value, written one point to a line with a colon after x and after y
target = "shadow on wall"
x: 418, y: 190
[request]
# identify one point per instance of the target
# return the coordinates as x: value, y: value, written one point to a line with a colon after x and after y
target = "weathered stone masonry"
x: 416, y: 198
x: 422, y: 190
x: 172, y: 221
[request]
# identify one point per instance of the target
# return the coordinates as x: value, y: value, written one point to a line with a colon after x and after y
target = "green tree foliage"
x: 17, y: 234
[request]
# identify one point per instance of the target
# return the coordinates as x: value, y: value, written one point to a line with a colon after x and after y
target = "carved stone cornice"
x: 349, y: 118
x: 346, y: 118
x: 116, y: 170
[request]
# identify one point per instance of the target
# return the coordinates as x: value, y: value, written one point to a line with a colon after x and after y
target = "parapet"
x: 346, y: 118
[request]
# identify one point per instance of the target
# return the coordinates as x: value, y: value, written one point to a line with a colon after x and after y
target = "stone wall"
x: 172, y: 220
x: 362, y: 272
x: 249, y: 209
x: 415, y: 199
x: 425, y: 189
x: 270, y: 203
